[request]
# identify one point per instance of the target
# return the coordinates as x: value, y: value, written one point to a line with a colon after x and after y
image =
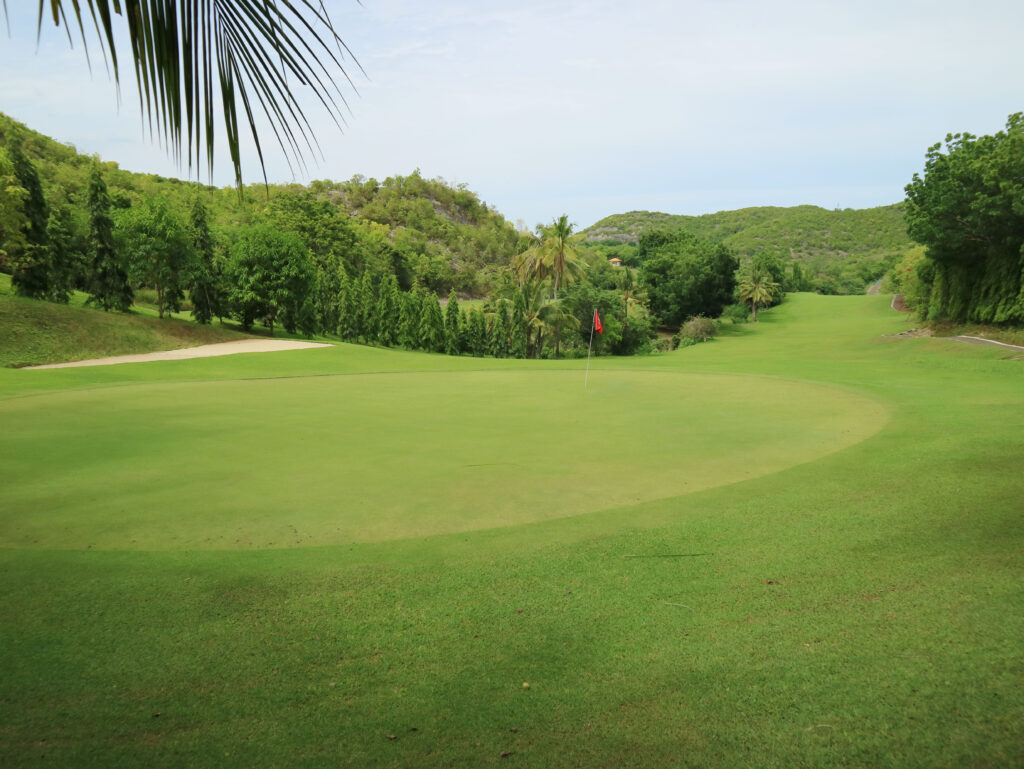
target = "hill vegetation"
x: 836, y: 252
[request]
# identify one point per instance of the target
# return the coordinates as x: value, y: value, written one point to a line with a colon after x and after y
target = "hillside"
x: 441, y: 234
x: 842, y: 249
x: 37, y: 332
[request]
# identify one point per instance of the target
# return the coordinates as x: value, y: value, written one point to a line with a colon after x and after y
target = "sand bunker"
x: 203, y: 351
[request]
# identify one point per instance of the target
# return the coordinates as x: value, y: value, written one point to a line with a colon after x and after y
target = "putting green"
x: 356, y: 458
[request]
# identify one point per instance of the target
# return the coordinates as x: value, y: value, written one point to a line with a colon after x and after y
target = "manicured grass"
x: 838, y: 601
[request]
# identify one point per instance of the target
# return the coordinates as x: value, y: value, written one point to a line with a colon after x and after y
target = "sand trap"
x: 203, y: 351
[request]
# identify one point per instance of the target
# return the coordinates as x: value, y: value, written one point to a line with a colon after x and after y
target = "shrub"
x: 699, y: 329
x: 737, y: 313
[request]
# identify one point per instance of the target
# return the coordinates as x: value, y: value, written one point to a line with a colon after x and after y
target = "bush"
x: 699, y: 329
x: 737, y: 313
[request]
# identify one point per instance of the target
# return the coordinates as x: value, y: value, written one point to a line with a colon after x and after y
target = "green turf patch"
x: 334, y: 460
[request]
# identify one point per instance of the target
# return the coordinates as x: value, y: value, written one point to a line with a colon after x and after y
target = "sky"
x: 592, y: 107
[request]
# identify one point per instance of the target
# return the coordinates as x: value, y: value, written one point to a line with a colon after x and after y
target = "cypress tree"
x: 205, y: 285
x: 388, y: 312
x: 62, y: 257
x: 31, y: 261
x: 465, y: 331
x: 367, y: 309
x: 327, y: 294
x: 477, y: 332
x: 109, y: 286
x: 517, y: 330
x: 348, y: 312
x: 451, y: 325
x: 499, y: 332
x: 432, y: 325
x: 409, y: 324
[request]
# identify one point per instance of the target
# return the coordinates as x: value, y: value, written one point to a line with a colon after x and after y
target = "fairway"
x: 797, y: 546
x: 356, y: 458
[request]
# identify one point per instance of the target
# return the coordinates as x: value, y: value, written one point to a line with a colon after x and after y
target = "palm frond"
x: 261, y: 55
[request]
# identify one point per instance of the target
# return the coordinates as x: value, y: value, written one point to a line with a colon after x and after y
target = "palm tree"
x: 255, y: 52
x: 758, y: 289
x: 557, y: 253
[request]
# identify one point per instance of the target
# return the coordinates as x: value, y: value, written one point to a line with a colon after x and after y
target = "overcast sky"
x: 593, y: 107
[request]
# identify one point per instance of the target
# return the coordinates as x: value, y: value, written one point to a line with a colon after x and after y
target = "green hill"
x: 843, y: 250
x: 441, y: 233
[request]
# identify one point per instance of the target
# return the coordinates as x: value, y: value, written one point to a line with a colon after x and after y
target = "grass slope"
x: 858, y: 607
x: 37, y: 332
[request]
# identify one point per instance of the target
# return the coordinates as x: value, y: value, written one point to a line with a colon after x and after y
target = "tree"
x: 348, y: 309
x: 432, y: 325
x: 254, y: 53
x: 205, y: 284
x: 518, y: 337
x: 156, y: 245
x: 686, y: 276
x: 389, y: 312
x: 968, y: 210
x: 500, y: 331
x: 108, y: 278
x: 412, y: 306
x: 368, y: 320
x: 329, y: 274
x: 270, y: 273
x: 29, y: 257
x: 452, y: 326
x: 477, y: 333
x: 758, y: 290
x: 553, y: 257
x: 13, y: 221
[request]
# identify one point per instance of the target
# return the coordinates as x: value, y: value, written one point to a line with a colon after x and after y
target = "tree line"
x: 301, y: 259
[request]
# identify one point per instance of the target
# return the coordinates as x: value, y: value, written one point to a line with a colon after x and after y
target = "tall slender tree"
x: 518, y: 338
x: 31, y: 261
x: 432, y: 325
x: 108, y: 281
x: 348, y: 309
x: 205, y: 286
x: 367, y: 309
x: 452, y: 326
x: 388, y: 312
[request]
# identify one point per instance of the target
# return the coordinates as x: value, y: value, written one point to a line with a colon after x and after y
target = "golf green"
x: 324, y: 460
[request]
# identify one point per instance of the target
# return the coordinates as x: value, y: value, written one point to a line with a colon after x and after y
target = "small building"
x: 615, y: 261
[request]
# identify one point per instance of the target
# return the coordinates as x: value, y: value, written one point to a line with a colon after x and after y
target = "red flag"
x: 597, y: 323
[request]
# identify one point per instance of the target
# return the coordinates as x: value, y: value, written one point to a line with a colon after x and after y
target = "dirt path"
x: 203, y: 351
x: 899, y: 306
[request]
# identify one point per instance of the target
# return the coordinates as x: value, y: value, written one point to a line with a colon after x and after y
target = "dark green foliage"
x: 30, y: 261
x: 157, y: 248
x: 452, y: 326
x: 409, y: 321
x: 685, y: 276
x: 108, y: 278
x: 270, y: 273
x: 431, y: 331
x: 329, y: 275
x: 367, y: 309
x: 517, y: 338
x: 968, y: 210
x: 841, y: 251
x: 498, y: 338
x: 389, y: 312
x: 477, y: 341
x: 348, y: 309
x: 65, y: 260
x: 205, y: 289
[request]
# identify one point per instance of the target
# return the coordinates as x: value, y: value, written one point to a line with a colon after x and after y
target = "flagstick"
x: 592, y: 324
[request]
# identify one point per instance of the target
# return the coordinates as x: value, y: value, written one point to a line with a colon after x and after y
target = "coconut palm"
x: 758, y: 289
x: 255, y: 52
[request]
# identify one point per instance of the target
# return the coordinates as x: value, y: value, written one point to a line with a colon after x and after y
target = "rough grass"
x: 37, y: 332
x: 862, y: 608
